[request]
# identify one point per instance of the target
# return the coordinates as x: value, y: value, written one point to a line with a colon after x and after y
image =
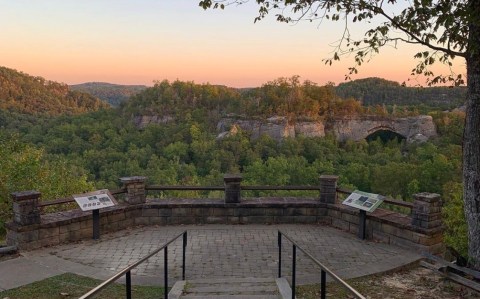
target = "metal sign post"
x: 96, y: 224
x: 362, y: 224
x: 365, y: 202
x: 94, y: 201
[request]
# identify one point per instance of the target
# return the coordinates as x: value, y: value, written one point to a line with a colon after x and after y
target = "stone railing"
x: 421, y: 229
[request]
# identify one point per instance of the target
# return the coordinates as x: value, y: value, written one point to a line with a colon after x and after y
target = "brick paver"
x: 229, y: 251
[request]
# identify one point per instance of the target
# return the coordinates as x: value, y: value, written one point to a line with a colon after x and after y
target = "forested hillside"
x: 114, y: 94
x: 65, y: 154
x: 375, y: 91
x: 282, y: 97
x: 23, y: 93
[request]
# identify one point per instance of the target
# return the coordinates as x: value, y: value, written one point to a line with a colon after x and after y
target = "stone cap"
x: 230, y: 177
x: 427, y: 197
x: 329, y: 177
x: 24, y: 195
x: 133, y: 179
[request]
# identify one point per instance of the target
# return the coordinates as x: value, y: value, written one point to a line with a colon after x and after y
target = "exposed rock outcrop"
x: 141, y: 121
x: 275, y: 127
x: 418, y: 128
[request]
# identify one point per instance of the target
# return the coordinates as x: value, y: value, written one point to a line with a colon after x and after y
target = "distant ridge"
x: 378, y: 91
x: 23, y: 93
x: 114, y: 94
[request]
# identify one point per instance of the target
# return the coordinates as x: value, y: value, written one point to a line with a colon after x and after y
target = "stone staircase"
x: 232, y: 288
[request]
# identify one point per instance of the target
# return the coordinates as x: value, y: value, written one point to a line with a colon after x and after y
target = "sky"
x: 141, y: 41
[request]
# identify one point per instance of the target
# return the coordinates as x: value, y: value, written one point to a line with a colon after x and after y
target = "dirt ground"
x: 414, y: 283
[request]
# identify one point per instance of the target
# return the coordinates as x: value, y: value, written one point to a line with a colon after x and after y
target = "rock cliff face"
x: 418, y: 128
x: 141, y: 121
x: 275, y: 127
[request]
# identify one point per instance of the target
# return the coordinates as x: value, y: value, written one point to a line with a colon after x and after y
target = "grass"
x: 409, y: 283
x: 70, y: 285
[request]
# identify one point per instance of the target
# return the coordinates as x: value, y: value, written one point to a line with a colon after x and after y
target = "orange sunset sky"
x: 137, y: 42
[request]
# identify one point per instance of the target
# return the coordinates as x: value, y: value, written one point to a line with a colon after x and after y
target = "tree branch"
x: 380, y: 11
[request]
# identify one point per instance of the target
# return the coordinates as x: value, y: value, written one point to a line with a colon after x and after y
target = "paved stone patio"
x: 215, y: 251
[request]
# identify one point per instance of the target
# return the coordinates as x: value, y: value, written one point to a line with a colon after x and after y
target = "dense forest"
x: 74, y: 153
x: 281, y: 97
x: 34, y: 95
x: 377, y: 91
x: 114, y: 94
x: 372, y: 93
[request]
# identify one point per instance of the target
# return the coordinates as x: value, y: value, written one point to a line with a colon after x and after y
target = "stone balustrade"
x: 422, y: 230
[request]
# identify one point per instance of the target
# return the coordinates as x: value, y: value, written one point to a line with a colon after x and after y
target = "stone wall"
x: 388, y: 227
x: 422, y: 230
x: 75, y: 225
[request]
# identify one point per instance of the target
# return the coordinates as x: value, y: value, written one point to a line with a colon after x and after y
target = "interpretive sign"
x: 95, y: 200
x: 364, y: 201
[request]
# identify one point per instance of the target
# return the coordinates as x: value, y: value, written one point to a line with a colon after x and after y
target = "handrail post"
x: 165, y: 270
x: 127, y: 271
x: 183, y: 258
x: 279, y: 254
x: 294, y: 269
x: 324, y: 270
x: 323, y: 282
x: 128, y: 283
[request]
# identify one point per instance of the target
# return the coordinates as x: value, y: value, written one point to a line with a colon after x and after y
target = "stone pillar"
x: 232, y: 187
x: 135, y: 186
x: 328, y: 188
x: 427, y: 210
x: 25, y: 207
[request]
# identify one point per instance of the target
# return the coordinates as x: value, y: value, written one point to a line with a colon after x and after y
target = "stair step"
x: 231, y: 289
x: 234, y: 288
x: 231, y: 280
x: 230, y: 297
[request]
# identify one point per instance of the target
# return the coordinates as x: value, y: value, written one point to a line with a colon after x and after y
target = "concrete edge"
x: 284, y: 288
x: 177, y: 290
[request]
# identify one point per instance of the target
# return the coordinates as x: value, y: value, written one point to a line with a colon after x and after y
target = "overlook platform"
x: 213, y: 251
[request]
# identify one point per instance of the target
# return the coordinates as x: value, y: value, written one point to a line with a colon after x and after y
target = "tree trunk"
x: 471, y: 138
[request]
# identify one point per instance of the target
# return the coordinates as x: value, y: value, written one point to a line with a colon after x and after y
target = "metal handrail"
x: 323, y: 268
x: 288, y: 188
x: 66, y: 200
x: 127, y: 270
x: 222, y: 188
x: 56, y: 202
x: 341, y: 190
x: 184, y: 188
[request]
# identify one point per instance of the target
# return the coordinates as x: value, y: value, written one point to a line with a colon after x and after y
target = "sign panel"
x: 95, y: 200
x: 364, y: 201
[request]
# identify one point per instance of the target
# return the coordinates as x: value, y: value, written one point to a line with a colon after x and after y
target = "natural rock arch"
x: 418, y: 128
x: 385, y: 134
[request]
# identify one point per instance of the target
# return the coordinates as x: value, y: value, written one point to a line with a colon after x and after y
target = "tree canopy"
x: 35, y: 95
x: 444, y: 29
x: 114, y: 94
